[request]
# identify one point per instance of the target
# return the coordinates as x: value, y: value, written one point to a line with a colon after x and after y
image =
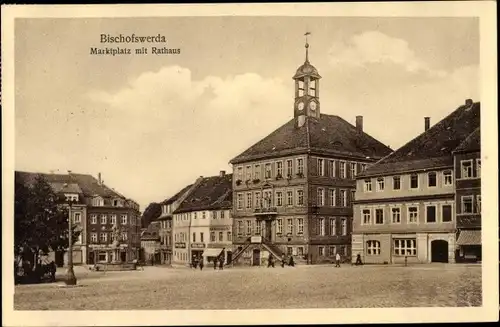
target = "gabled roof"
x: 433, y: 148
x: 329, y: 134
x: 212, y: 193
x: 88, y: 185
x: 472, y: 143
x: 177, y: 195
x: 66, y: 188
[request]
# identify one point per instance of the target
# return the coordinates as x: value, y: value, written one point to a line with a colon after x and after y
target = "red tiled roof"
x: 329, y: 134
x: 212, y: 193
x: 432, y: 148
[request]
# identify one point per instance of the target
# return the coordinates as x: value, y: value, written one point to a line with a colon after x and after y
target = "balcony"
x: 266, y: 211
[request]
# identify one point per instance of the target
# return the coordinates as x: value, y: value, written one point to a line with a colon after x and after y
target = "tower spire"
x: 307, y: 46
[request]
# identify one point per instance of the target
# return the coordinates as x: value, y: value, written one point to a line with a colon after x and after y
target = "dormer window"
x: 98, y: 202
x: 117, y: 203
x: 71, y: 197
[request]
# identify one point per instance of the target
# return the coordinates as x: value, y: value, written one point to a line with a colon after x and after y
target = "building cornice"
x: 407, y: 198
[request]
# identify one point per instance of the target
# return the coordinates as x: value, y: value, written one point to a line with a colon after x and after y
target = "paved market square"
x: 158, y: 288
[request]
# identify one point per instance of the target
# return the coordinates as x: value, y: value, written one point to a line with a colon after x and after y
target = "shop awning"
x: 469, y: 237
x: 211, y: 252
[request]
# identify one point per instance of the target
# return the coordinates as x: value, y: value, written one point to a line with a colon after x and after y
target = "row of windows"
x: 202, y: 215
x: 181, y: 256
x: 283, y: 169
x: 99, y: 202
x: 265, y: 199
x: 252, y: 227
x: 103, y: 237
x: 468, y: 204
x: 377, y: 215
x: 165, y: 224
x: 332, y: 251
x: 467, y: 169
x: 447, y: 177
x: 112, y: 221
x: 403, y: 247
x: 328, y: 168
x: 214, y: 237
x: 332, y: 226
x: 332, y: 199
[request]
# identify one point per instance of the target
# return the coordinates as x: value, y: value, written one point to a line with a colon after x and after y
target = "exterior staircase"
x: 273, y: 249
x: 237, y: 255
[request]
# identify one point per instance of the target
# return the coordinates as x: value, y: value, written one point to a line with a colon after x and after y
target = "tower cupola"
x: 306, y: 90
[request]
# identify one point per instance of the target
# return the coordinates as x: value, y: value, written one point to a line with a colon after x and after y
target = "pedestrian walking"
x: 358, y: 260
x: 270, y: 261
x: 215, y: 263
x: 201, y: 264
x: 291, y: 263
x: 283, y: 260
x: 221, y: 263
x: 337, y: 260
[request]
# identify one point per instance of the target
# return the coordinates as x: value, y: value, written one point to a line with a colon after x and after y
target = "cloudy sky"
x: 153, y: 123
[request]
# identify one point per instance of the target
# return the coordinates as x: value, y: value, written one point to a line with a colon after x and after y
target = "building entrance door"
x: 439, y: 251
x: 256, y: 257
x: 268, y: 233
x: 123, y: 256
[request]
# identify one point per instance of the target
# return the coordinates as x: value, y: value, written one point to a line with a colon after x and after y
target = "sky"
x: 151, y: 124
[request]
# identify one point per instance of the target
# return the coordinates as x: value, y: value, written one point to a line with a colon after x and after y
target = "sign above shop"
x: 180, y: 245
x: 198, y: 245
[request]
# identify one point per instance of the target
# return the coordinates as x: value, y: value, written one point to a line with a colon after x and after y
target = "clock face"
x: 300, y: 106
x: 312, y: 105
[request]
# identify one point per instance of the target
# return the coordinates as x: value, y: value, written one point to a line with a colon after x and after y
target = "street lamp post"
x: 70, y: 274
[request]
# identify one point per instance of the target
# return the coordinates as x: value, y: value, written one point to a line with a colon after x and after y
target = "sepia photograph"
x: 256, y: 159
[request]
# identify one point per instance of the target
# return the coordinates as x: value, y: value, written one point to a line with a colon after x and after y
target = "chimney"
x: 99, y: 178
x: 359, y: 123
x: 468, y: 102
x: 427, y: 121
x: 222, y: 173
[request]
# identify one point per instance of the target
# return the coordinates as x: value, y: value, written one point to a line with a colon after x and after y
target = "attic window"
x: 337, y: 144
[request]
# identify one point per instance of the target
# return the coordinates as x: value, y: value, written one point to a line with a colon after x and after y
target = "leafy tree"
x: 41, y: 220
x: 151, y: 213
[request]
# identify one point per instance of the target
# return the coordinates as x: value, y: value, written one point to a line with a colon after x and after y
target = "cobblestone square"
x: 437, y: 285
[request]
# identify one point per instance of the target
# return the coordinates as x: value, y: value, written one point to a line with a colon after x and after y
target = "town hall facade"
x: 293, y: 190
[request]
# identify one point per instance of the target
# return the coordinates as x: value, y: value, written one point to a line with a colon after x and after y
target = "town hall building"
x: 293, y: 190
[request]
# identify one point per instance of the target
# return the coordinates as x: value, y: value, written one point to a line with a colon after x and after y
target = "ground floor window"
x: 102, y: 257
x: 373, y: 247
x: 289, y: 250
x: 300, y: 251
x: 406, y: 247
x: 332, y: 251
x: 321, y: 251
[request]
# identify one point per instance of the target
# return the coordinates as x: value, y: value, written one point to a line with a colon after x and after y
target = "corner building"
x: 293, y: 190
x: 405, y: 206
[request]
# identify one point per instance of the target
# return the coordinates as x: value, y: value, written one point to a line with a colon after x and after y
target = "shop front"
x: 469, y: 245
x: 197, y: 252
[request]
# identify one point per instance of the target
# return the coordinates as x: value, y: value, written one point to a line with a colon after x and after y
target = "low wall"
x: 116, y: 266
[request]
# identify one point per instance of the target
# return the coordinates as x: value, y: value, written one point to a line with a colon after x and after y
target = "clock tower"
x: 306, y: 103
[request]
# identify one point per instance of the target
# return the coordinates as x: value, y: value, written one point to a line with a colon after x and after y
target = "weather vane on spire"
x: 307, y: 46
